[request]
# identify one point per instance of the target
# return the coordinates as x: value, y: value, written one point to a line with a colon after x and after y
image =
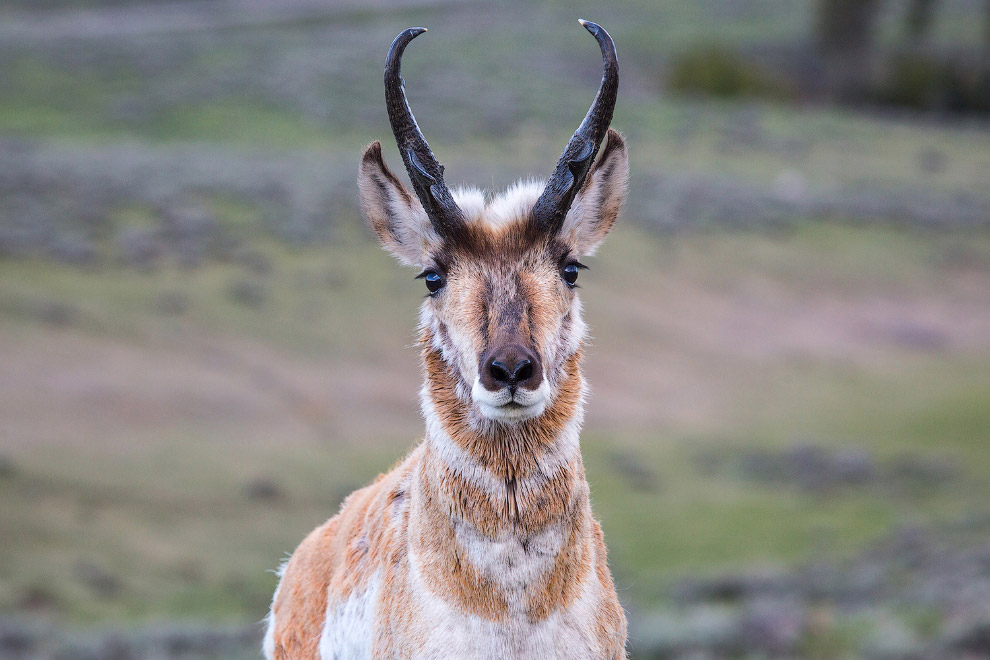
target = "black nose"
x: 500, y: 371
x: 511, y: 366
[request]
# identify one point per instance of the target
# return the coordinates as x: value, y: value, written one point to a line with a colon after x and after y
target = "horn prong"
x: 425, y: 172
x: 579, y: 154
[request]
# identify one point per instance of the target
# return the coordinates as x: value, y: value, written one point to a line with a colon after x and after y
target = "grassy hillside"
x: 202, y: 351
x: 168, y: 440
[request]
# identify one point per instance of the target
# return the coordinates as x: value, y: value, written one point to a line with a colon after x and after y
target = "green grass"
x: 481, y: 94
x: 133, y: 426
x: 158, y: 499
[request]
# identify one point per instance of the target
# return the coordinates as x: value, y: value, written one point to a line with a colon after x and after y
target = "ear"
x: 597, y: 205
x: 396, y: 216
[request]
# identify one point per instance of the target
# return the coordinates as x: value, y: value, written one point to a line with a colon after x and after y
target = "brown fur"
x: 420, y: 530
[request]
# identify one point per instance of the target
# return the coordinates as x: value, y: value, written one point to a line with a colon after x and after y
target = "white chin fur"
x: 502, y: 407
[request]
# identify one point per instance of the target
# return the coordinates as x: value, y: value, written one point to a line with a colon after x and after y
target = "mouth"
x: 512, y: 411
x: 510, y: 405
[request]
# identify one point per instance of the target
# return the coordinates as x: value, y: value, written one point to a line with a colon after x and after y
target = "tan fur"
x: 433, y: 544
x: 599, y: 204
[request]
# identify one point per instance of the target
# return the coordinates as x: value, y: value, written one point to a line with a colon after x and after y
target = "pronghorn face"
x: 502, y: 310
x: 501, y: 294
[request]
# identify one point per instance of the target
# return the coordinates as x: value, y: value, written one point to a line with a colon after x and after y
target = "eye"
x: 570, y: 272
x: 434, y: 280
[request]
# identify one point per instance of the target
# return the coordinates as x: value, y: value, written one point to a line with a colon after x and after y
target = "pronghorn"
x: 481, y: 542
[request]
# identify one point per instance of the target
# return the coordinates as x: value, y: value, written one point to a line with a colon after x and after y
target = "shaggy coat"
x: 481, y: 543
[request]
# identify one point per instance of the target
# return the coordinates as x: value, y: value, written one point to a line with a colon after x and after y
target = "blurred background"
x: 202, y: 350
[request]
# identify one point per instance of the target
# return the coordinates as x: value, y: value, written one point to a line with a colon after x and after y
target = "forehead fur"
x: 498, y: 229
x: 502, y: 209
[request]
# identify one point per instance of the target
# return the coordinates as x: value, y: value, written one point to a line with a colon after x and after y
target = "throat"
x: 500, y: 477
x: 507, y: 450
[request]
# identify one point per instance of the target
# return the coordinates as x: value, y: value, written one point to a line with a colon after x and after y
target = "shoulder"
x: 336, y: 559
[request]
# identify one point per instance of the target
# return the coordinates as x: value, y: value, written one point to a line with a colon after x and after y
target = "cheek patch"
x: 547, y: 303
x: 461, y: 324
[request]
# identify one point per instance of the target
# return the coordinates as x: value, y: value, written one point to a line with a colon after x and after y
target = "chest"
x: 385, y: 620
x: 519, y: 568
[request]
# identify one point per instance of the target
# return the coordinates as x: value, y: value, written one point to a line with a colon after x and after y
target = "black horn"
x: 572, y: 168
x: 424, y: 170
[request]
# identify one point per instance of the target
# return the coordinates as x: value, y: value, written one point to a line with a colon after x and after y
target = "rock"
x: 922, y: 472
x: 703, y: 629
x: 735, y: 587
x: 918, y: 336
x: 189, y: 231
x: 18, y: 638
x: 36, y: 598
x: 809, y: 467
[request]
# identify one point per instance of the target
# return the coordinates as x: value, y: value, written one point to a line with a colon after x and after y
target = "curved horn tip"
x: 589, y: 26
x: 404, y: 37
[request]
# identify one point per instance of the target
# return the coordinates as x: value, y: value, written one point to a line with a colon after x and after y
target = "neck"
x: 502, y: 478
x: 503, y: 523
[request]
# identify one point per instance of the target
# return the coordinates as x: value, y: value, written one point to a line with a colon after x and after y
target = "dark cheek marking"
x: 521, y: 301
x: 510, y: 321
x: 529, y: 323
x: 487, y: 296
x: 527, y: 320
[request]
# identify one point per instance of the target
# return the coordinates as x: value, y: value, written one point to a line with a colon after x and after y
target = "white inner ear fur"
x: 598, y: 204
x: 414, y: 234
x: 395, y: 214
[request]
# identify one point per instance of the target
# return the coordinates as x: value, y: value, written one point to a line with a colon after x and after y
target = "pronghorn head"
x: 500, y: 270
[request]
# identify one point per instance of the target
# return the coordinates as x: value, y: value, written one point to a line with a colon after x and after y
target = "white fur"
x: 471, y: 202
x: 512, y: 560
x: 457, y: 459
x: 565, y: 634
x: 506, y: 561
x: 516, y: 202
x: 348, y: 624
x: 460, y: 352
x: 599, y: 192
x: 561, y: 454
x: 268, y: 643
x: 508, y: 408
x: 506, y: 207
x: 413, y: 237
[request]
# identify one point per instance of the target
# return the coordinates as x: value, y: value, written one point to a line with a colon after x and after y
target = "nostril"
x: 510, y: 367
x: 523, y: 371
x: 499, y: 372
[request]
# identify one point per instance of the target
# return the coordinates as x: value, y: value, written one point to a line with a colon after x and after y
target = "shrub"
x: 919, y: 81
x: 715, y: 71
